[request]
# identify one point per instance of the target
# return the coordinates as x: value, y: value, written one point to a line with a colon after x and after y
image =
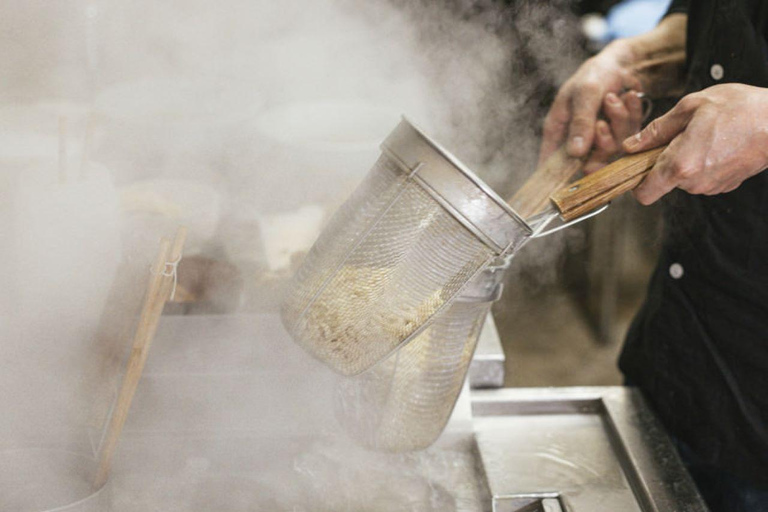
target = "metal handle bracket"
x: 539, y: 231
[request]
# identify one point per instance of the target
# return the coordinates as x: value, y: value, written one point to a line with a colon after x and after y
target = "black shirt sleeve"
x: 677, y: 6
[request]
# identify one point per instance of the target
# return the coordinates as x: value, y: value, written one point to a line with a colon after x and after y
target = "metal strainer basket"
x: 413, y: 234
x: 404, y: 402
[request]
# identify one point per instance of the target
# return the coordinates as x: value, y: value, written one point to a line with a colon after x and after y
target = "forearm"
x: 657, y: 57
x: 666, y: 38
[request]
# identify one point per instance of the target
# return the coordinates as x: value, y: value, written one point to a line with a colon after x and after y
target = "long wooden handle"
x: 158, y: 290
x: 554, y: 173
x: 601, y: 187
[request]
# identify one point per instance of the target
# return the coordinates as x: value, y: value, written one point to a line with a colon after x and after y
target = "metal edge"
x: 629, y: 433
x: 455, y: 162
x: 455, y: 213
x: 498, y: 502
x: 471, y: 226
x: 407, y: 137
x: 525, y: 401
x: 488, y: 366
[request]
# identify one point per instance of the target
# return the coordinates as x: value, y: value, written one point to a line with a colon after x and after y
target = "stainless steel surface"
x: 233, y: 416
x: 594, y: 449
x: 487, y: 369
x: 398, y: 252
x: 404, y: 402
x: 246, y: 474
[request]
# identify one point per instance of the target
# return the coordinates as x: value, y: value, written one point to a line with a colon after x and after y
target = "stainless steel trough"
x: 587, y: 449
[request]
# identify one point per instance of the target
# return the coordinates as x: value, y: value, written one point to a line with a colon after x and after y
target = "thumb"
x: 661, y: 130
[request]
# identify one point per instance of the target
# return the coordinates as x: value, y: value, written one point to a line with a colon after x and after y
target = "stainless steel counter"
x: 578, y: 449
x: 231, y: 415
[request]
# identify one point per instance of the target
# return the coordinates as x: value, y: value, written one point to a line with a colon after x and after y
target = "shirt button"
x: 676, y: 271
x: 716, y: 71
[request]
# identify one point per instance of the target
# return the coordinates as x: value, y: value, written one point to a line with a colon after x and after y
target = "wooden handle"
x: 660, y: 76
x: 601, y: 187
x: 158, y: 290
x: 554, y: 173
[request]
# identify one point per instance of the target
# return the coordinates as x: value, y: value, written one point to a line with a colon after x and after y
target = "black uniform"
x: 699, y: 346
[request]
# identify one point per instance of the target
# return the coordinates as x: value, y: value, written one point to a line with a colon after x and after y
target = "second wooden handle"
x: 555, y: 172
x: 601, y: 187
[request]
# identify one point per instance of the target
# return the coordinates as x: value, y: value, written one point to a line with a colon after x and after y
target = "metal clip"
x: 538, y: 233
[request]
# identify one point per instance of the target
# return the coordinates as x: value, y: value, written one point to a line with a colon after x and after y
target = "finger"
x: 670, y: 169
x: 555, y: 125
x: 585, y: 105
x: 635, y: 108
x: 693, y: 175
x: 680, y: 165
x: 664, y: 129
x: 605, y: 148
x: 605, y: 140
x: 595, y: 163
x: 618, y: 115
x: 661, y: 179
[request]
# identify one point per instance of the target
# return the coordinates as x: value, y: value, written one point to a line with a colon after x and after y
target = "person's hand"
x: 717, y: 139
x: 624, y: 117
x: 573, y: 115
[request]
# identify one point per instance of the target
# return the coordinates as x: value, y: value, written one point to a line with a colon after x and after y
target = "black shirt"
x: 699, y: 346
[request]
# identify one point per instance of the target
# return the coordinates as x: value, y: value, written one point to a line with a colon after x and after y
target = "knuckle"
x: 692, y: 101
x: 686, y: 102
x: 697, y: 187
x: 641, y: 197
x: 683, y: 170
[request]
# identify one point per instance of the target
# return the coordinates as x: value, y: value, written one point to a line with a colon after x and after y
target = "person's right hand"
x: 574, y: 113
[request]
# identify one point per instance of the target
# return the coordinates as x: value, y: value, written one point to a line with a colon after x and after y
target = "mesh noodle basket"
x: 417, y: 229
x: 404, y: 402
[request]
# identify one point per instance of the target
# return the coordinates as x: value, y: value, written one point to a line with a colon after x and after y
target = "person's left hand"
x: 623, y: 117
x: 717, y: 139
